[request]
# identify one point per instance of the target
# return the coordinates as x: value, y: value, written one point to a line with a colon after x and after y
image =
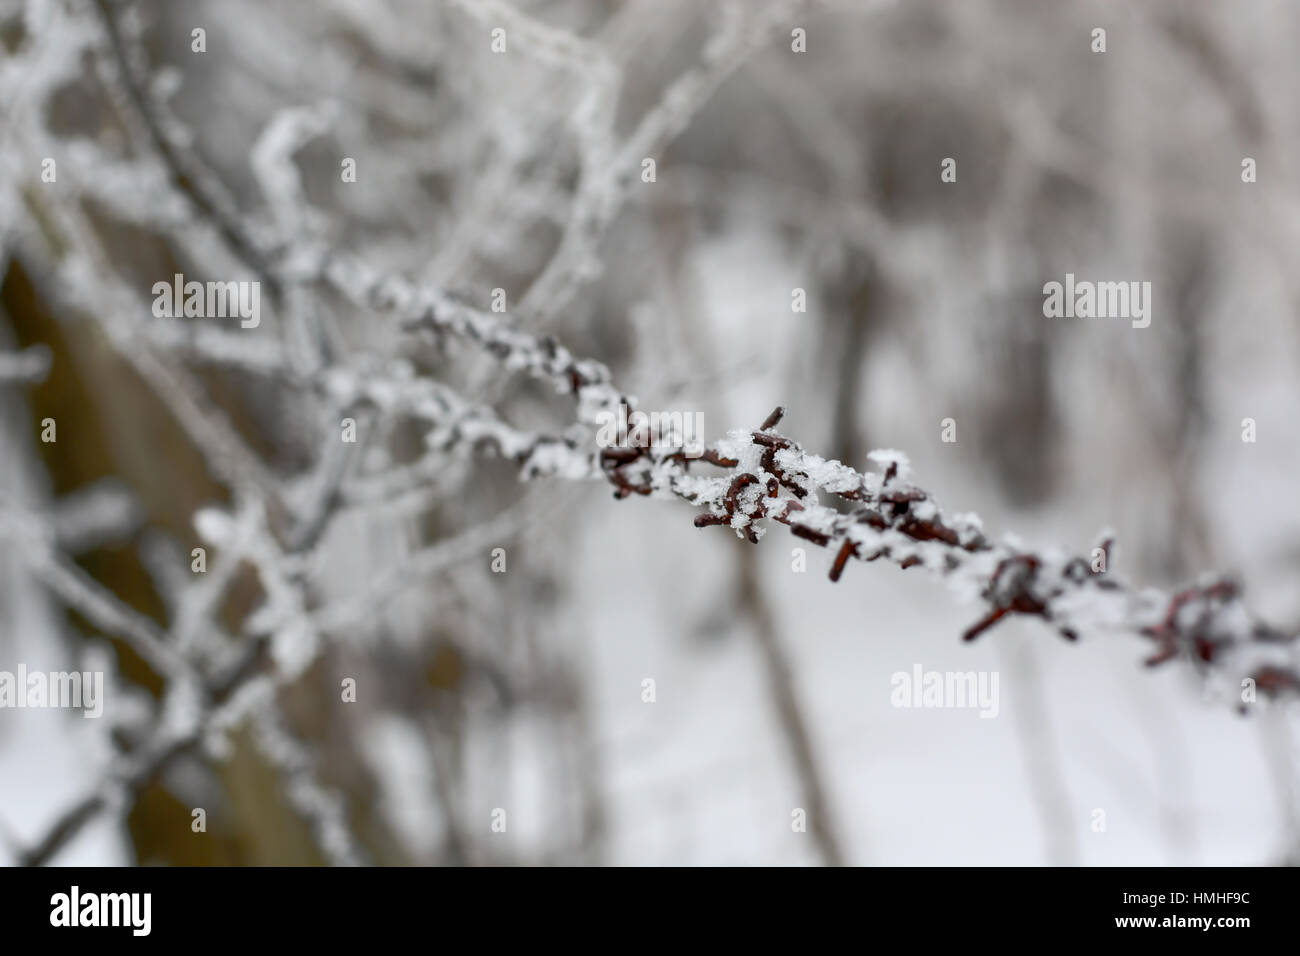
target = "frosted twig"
x: 84, y: 594
x: 321, y: 807
x: 28, y: 367
x: 135, y: 770
x: 91, y: 515
x: 602, y: 195
x: 189, y: 176
x: 354, y: 610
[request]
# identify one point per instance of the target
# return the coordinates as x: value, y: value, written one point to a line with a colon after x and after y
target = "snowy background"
x: 521, y: 169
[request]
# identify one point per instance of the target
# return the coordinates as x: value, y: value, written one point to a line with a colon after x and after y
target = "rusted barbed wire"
x: 771, y: 477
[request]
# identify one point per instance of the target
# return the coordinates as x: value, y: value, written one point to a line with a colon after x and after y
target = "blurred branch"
x: 790, y: 712
x: 190, y: 177
x: 28, y: 367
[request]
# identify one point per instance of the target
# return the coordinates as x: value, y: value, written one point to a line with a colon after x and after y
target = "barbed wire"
x: 748, y: 481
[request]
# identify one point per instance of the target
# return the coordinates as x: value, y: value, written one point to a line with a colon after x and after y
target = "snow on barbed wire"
x: 770, y: 478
